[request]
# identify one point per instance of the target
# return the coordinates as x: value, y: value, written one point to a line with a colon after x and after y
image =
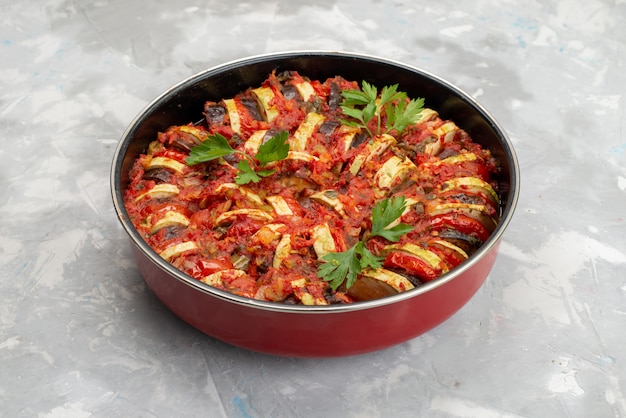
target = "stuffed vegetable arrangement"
x: 314, y: 192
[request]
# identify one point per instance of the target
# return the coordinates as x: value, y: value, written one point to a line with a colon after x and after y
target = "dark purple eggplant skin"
x: 252, y: 106
x: 159, y: 175
x: 335, y: 99
x: 214, y: 113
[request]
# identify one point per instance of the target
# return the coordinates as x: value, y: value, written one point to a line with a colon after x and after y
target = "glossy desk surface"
x: 81, y: 335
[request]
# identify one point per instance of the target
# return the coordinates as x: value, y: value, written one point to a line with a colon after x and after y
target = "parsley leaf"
x: 246, y: 173
x: 367, y: 260
x: 402, y: 115
x: 215, y: 147
x: 357, y: 97
x: 365, y: 104
x: 385, y: 213
x: 274, y: 149
x: 347, y: 265
x: 339, y: 266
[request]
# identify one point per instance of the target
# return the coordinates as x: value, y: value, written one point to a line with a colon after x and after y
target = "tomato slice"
x: 412, y: 264
x: 448, y: 252
x: 461, y: 223
x: 208, y: 266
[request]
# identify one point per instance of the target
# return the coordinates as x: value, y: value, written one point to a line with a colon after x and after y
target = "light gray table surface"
x: 82, y: 336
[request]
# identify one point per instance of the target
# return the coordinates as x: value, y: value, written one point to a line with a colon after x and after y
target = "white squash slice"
x: 395, y: 280
x: 323, y: 241
x: 457, y: 159
x: 347, y: 137
x: 375, y: 148
x: 300, y: 156
x: 200, y: 134
x: 215, y: 279
x: 160, y: 191
x: 301, y: 137
x: 229, y: 216
x: 164, y: 162
x: 300, y: 291
x: 330, y: 198
x: 176, y: 250
x: 255, y: 140
x: 280, y: 205
x: 266, y: 97
x: 395, y: 170
x: 244, y: 190
x: 233, y: 115
x: 450, y: 246
x: 445, y: 133
x: 171, y: 218
x: 427, y: 114
x: 283, y: 249
x: 472, y: 185
x: 305, y: 89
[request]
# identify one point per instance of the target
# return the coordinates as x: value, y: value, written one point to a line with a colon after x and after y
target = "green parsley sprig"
x: 250, y: 168
x: 347, y: 265
x: 365, y: 104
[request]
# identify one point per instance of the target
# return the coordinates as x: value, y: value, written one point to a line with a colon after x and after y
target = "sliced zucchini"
x: 457, y: 159
x: 323, y: 241
x: 472, y: 185
x: 160, y: 191
x: 301, y: 137
x: 280, y: 205
x: 375, y: 148
x: 301, y: 292
x: 295, y: 156
x: 233, y: 115
x: 445, y: 133
x: 266, y: 97
x: 458, y: 250
x: 176, y: 250
x: 215, y: 279
x: 244, y: 190
x: 426, y: 115
x: 434, y: 147
x: 257, y: 214
x: 164, y: 162
x: 305, y: 89
x: 330, y: 198
x: 199, y: 134
x: 395, y: 280
x: 440, y: 135
x: 300, y: 156
x: 283, y: 249
x: 393, y: 170
x: 240, y: 261
x: 347, y: 136
x: 171, y: 218
x: 255, y: 140
x: 408, y: 203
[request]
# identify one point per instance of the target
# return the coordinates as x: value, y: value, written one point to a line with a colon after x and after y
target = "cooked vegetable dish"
x: 314, y: 192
